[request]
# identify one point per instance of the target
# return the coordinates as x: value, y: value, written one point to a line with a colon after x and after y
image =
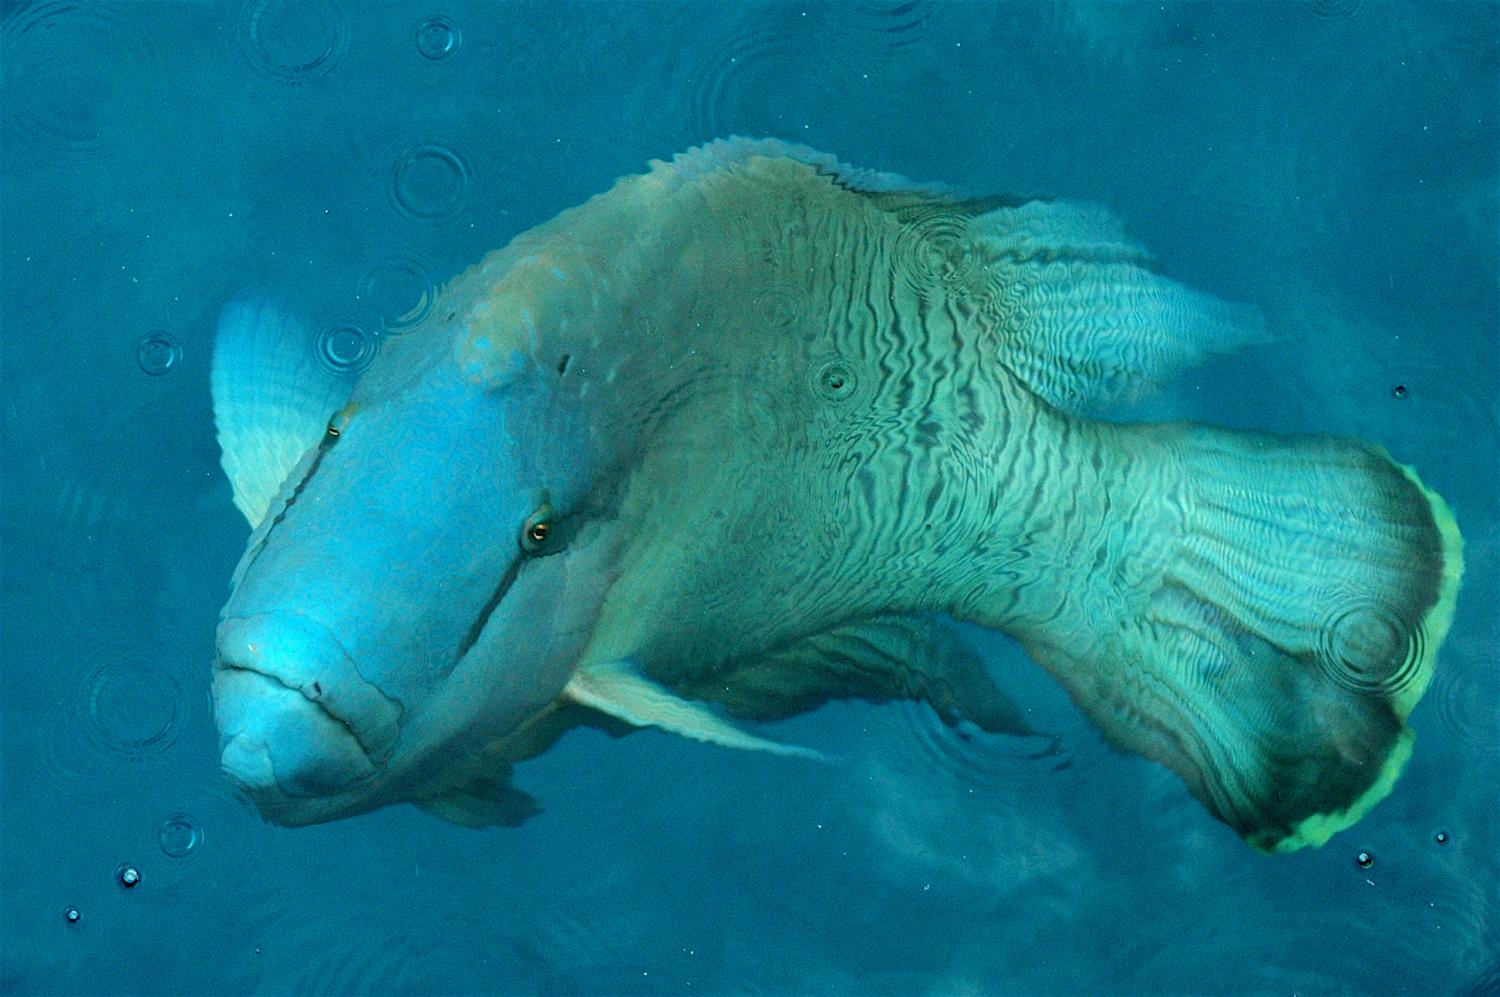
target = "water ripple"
x: 1366, y: 647
x: 1335, y: 9
x: 429, y: 183
x: 978, y: 759
x: 424, y: 956
x: 63, y: 62
x: 292, y: 41
x: 397, y: 293
x: 738, y: 85
x: 114, y: 724
x: 890, y: 25
x: 933, y: 249
x: 438, y: 37
x: 346, y: 349
x: 1466, y: 692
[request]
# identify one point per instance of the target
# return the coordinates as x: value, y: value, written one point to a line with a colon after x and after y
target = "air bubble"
x: 429, y: 183
x: 346, y: 349
x: 1441, y: 837
x: 1364, y: 860
x: 1399, y: 391
x: 129, y: 876
x: 179, y: 836
x: 438, y: 37
x: 72, y: 915
x: 156, y: 354
x: 835, y: 380
x: 292, y: 41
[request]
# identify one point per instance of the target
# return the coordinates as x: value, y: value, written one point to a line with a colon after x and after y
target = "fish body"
x: 782, y: 423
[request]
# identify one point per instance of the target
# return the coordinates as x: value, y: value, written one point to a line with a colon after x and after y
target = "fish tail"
x: 1269, y: 612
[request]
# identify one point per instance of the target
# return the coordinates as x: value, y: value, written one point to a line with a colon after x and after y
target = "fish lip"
x: 322, y: 704
x: 373, y: 717
x: 276, y: 798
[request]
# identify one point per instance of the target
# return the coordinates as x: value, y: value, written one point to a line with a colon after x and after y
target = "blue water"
x: 1333, y: 162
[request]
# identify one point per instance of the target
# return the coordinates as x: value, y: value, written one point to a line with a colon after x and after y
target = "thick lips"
x: 301, y: 655
x: 279, y: 745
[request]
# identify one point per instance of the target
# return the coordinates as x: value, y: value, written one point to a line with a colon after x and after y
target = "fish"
x: 755, y: 430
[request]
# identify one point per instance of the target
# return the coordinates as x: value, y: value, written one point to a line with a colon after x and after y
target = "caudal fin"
x: 1274, y: 627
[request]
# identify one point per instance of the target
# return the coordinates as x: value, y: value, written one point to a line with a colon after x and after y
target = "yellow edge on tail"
x: 1317, y: 829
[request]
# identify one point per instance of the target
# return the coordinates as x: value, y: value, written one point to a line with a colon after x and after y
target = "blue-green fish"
x: 756, y: 430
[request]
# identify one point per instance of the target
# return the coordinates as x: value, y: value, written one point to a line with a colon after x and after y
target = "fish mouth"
x: 294, y: 652
x: 320, y: 704
x: 281, y: 748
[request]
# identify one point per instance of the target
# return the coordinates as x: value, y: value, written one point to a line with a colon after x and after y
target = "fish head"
x: 420, y: 588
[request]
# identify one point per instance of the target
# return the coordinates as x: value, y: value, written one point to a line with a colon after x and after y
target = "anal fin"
x: 917, y: 657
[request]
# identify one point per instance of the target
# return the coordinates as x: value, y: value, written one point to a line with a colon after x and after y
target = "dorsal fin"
x: 272, y: 398
x: 725, y: 153
x: 1084, y: 320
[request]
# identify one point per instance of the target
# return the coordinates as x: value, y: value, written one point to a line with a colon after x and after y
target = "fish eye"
x: 338, y: 421
x: 537, y: 530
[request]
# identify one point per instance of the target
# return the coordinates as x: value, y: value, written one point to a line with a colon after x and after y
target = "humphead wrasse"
x: 756, y: 430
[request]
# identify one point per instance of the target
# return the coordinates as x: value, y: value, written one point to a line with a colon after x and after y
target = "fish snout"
x: 295, y: 717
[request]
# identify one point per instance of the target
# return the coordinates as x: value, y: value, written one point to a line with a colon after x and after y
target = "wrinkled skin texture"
x: 391, y: 540
x: 754, y: 407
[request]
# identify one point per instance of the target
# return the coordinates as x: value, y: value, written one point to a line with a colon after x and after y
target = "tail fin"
x: 1270, y: 640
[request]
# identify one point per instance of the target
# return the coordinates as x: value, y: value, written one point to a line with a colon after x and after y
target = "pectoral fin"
x: 272, y: 398
x: 483, y: 802
x: 621, y: 691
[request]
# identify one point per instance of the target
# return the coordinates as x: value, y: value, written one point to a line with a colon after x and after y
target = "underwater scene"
x: 749, y: 498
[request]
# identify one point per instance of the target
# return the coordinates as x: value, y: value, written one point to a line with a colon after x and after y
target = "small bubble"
x: 1399, y: 391
x: 179, y: 835
x: 128, y: 875
x: 346, y: 349
x: 1441, y: 837
x: 1364, y: 860
x: 438, y: 37
x: 835, y: 380
x: 72, y: 915
x: 156, y: 353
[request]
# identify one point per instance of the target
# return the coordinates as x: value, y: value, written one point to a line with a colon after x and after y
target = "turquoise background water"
x: 1333, y: 162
